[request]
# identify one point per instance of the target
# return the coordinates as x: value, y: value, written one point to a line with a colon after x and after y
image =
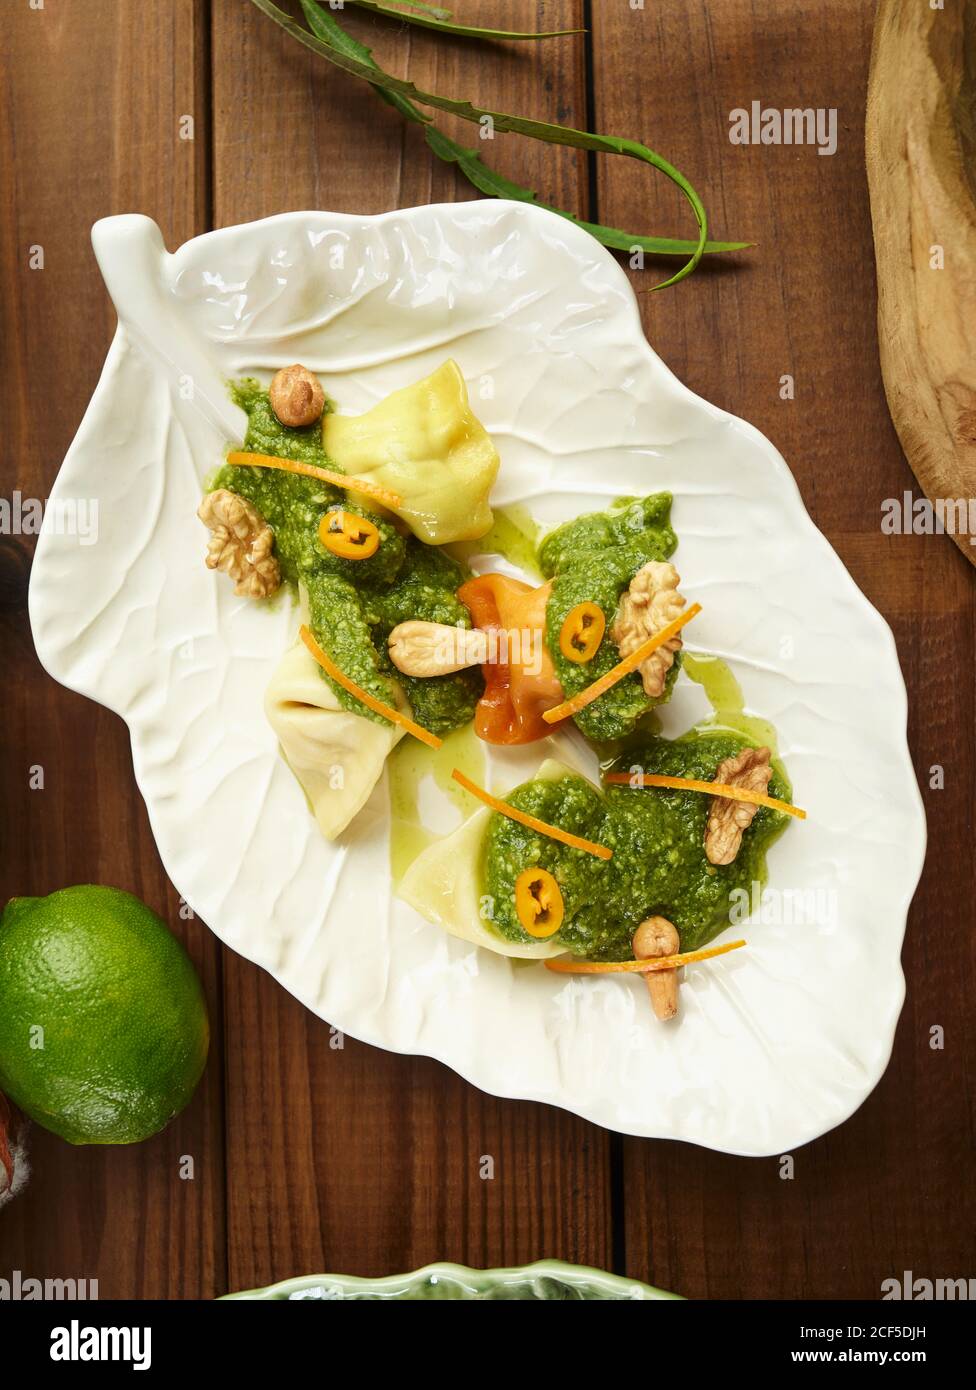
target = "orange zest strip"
x: 691, y: 784
x: 566, y: 966
x: 543, y: 827
x: 387, y: 711
x: 622, y: 668
x: 311, y: 470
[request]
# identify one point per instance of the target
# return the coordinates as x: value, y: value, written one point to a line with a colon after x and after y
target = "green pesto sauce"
x: 724, y: 694
x: 593, y: 559
x: 353, y: 604
x: 657, y: 837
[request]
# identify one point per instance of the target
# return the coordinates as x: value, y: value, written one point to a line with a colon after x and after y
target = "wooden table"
x: 308, y: 1157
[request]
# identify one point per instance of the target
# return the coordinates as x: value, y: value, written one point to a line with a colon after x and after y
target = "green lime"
x: 103, y: 1023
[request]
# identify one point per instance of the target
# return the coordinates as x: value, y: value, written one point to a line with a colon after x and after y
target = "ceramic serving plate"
x: 776, y: 1043
x: 548, y: 1281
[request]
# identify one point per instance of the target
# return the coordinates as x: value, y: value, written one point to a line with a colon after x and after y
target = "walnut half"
x: 651, y: 602
x: 241, y: 544
x: 727, y: 819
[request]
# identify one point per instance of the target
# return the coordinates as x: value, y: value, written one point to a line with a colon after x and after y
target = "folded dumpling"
x: 445, y: 884
x: 336, y: 755
x: 424, y: 443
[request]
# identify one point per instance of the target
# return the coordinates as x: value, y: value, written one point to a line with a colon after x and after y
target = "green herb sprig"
x: 429, y: 17
x: 326, y: 37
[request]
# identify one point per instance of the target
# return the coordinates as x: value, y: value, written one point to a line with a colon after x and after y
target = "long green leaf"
x: 434, y: 10
x: 449, y: 26
x: 328, y: 29
x: 500, y: 120
x: 469, y: 161
x: 496, y: 185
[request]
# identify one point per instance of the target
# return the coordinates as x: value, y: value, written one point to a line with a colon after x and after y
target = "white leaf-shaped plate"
x: 776, y: 1043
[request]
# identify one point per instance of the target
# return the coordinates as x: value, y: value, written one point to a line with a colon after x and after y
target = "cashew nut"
x: 658, y: 937
x: 435, y: 649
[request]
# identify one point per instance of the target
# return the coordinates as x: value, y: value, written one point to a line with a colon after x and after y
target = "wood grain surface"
x: 919, y: 158
x: 312, y: 1151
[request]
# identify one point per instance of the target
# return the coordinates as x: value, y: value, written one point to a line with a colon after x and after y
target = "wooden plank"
x: 348, y: 1158
x: 803, y: 304
x: 91, y: 94
x: 342, y: 1158
x: 351, y: 1159
x: 299, y: 133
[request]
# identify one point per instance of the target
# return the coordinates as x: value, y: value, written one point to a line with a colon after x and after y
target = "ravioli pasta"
x: 601, y: 872
x: 424, y: 443
x: 444, y: 884
x: 658, y: 866
x: 336, y: 755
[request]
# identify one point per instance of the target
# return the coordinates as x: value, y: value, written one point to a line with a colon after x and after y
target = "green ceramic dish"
x: 548, y: 1281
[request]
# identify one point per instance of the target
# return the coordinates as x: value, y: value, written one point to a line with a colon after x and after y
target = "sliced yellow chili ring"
x: 349, y: 536
x: 622, y: 668
x: 538, y: 902
x: 582, y: 632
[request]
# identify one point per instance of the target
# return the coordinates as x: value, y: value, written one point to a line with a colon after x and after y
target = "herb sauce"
x: 657, y: 837
x: 353, y: 604
x: 593, y: 559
